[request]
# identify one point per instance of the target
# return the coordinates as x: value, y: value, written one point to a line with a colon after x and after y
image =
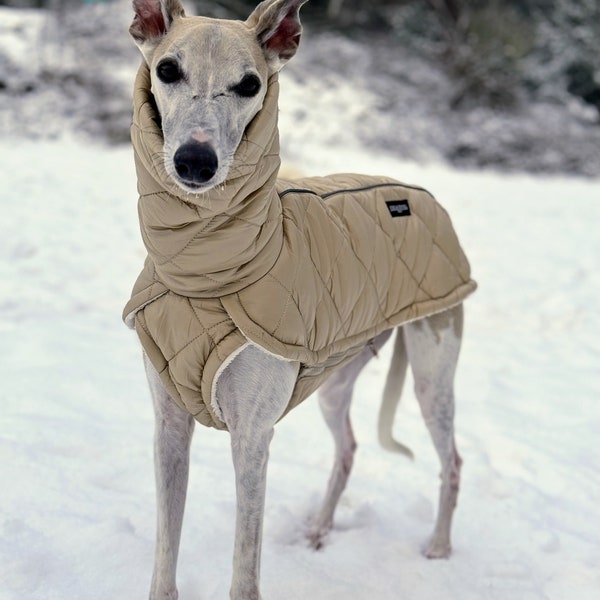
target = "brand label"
x: 398, y: 208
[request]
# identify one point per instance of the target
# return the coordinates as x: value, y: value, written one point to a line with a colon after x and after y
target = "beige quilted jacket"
x: 310, y: 269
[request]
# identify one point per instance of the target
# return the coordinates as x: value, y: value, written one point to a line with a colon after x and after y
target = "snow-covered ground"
x: 77, y: 495
x: 77, y: 499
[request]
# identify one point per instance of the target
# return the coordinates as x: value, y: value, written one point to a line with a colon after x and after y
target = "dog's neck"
x: 218, y: 242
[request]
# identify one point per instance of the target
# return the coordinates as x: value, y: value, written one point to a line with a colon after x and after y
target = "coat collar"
x: 216, y: 242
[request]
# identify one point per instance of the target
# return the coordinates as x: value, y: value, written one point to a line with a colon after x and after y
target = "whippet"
x: 208, y: 86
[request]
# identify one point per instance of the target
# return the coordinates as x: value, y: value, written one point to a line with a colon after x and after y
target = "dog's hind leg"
x: 172, y: 437
x: 335, y: 396
x: 252, y: 394
x: 433, y: 345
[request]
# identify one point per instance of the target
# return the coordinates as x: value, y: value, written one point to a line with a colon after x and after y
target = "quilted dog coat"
x: 310, y: 270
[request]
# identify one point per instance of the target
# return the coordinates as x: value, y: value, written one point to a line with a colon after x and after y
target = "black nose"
x: 196, y: 162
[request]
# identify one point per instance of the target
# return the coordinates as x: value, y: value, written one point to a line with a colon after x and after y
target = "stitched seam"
x: 389, y: 237
x: 290, y: 299
x: 170, y: 259
x: 392, y: 240
x: 343, y: 325
x: 205, y: 331
x: 443, y: 253
x: 143, y: 326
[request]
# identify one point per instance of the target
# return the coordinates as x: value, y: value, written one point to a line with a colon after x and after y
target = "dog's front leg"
x: 252, y: 393
x: 172, y: 438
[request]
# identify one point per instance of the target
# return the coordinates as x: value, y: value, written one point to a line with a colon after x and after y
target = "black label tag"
x: 398, y: 208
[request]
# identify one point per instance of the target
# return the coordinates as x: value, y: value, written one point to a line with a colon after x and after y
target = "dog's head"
x: 209, y: 79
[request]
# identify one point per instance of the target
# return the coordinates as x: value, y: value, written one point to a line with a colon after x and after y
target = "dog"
x: 210, y: 81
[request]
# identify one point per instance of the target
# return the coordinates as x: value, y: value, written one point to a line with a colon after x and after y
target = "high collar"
x: 219, y: 241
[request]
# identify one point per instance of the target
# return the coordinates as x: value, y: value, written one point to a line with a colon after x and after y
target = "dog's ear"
x: 278, y: 29
x: 152, y: 20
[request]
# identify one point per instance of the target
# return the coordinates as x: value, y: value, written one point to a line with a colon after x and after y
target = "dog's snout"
x: 196, y: 162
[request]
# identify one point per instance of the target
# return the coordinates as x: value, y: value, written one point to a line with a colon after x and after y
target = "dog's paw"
x: 436, y: 550
x: 317, y: 537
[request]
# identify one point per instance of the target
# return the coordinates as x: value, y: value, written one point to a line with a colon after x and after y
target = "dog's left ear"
x: 278, y: 29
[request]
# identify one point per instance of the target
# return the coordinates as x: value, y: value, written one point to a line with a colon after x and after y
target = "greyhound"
x: 203, y: 119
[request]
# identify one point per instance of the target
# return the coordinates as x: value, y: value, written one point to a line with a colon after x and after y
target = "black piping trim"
x: 366, y: 188
x: 373, y: 186
x: 297, y: 191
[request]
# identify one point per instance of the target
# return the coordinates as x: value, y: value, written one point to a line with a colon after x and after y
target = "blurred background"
x: 511, y: 84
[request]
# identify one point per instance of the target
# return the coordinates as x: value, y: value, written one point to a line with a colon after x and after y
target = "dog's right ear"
x: 152, y: 20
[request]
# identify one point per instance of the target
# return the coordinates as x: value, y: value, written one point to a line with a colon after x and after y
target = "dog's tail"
x: 391, y: 397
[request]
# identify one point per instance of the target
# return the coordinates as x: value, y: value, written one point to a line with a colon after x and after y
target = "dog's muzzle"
x: 196, y: 163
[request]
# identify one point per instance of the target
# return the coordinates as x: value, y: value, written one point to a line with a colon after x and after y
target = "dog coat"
x: 310, y: 270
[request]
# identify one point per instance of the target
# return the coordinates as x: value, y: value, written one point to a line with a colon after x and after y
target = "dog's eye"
x: 249, y: 86
x: 168, y: 71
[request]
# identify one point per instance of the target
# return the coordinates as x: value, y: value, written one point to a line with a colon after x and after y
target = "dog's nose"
x: 196, y: 162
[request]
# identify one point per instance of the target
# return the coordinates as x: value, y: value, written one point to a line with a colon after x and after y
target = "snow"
x: 77, y: 498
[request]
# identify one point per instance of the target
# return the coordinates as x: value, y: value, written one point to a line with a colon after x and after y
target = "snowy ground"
x: 77, y: 498
x: 77, y: 504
